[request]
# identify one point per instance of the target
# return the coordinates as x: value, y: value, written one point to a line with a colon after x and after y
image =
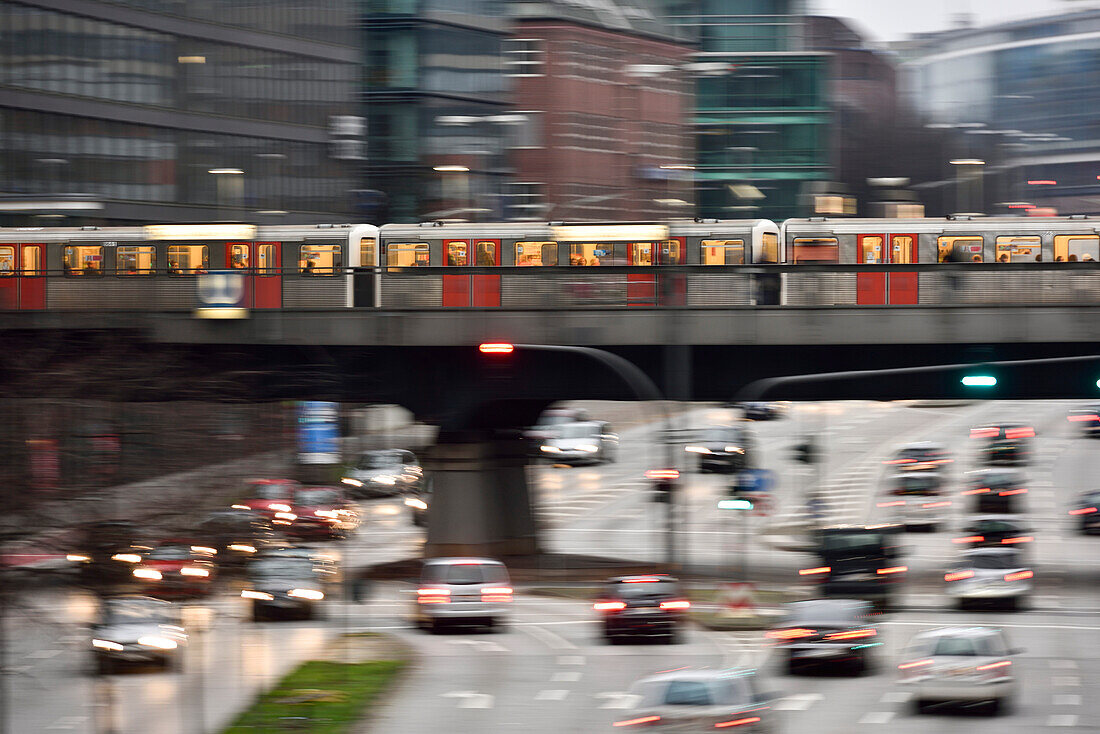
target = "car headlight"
x: 387, y: 479
x: 190, y: 571
x: 352, y: 481
x: 77, y: 558
x: 326, y: 513
x: 588, y: 448
x: 240, y: 507
x: 242, y: 548
x: 417, y: 503
x: 550, y: 449
x: 261, y: 595
x: 734, y: 450
x: 106, y: 645
x: 204, y: 549
x: 279, y: 507
x: 286, y: 516
x: 311, y: 594
x: 697, y: 449
x: 160, y: 643
x: 126, y: 557
x: 150, y: 574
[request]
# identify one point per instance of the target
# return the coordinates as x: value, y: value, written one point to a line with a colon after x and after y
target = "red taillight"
x: 914, y: 664
x: 851, y: 635
x: 790, y: 634
x: 980, y: 490
x: 892, y: 569
x: 1019, y: 576
x: 497, y: 590
x: 899, y: 461
x: 496, y: 594
x: 991, y: 666
x: 643, y: 580
x: 662, y: 474
x: 936, y: 504
x: 640, y: 720
x: 895, y: 503
x: 958, y: 575
x: 969, y: 539
x: 1081, y: 418
x: 811, y: 571
x: 679, y: 604
x: 737, y: 722
x: 985, y: 432
x: 1083, y: 511
x: 433, y: 596
x: 1010, y: 492
x: 1013, y: 433
x: 1021, y: 539
x: 609, y: 606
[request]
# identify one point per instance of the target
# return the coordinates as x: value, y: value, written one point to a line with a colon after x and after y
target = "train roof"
x: 186, y: 232
x: 943, y: 224
x: 543, y: 229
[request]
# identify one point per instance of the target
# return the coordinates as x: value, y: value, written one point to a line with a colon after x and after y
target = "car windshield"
x: 841, y: 613
x: 994, y: 526
x: 126, y: 611
x: 721, y: 435
x: 317, y: 497
x: 852, y: 542
x: 465, y: 573
x: 643, y: 588
x: 1091, y: 498
x: 966, y: 646
x: 556, y: 419
x: 998, y: 561
x: 283, y: 568
x: 688, y: 693
x: 918, y: 453
x: 379, y: 460
x: 269, y: 491
x: 916, y: 484
x: 170, y: 553
x: 578, y: 430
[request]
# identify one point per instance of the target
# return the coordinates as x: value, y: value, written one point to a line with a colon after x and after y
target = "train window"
x: 536, y: 253
x: 669, y: 254
x: 407, y: 254
x: 457, y: 253
x: 32, y: 260
x: 870, y: 250
x: 816, y: 249
x: 7, y: 261
x: 641, y: 253
x: 188, y: 259
x: 486, y: 253
x: 366, y: 252
x: 267, y: 258
x: 902, y: 250
x: 1076, y: 247
x: 239, y: 257
x: 1012, y: 249
x: 723, y: 252
x: 959, y: 249
x: 598, y: 253
x: 136, y: 260
x: 82, y: 260
x: 320, y: 259
x: 769, y: 248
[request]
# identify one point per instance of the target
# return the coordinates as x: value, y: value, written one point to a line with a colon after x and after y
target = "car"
x: 1087, y: 511
x: 384, y: 473
x: 827, y: 632
x: 986, y: 531
x: 700, y: 700
x: 325, y: 565
x: 723, y: 449
x: 916, y: 499
x: 237, y: 535
x: 989, y: 576
x: 106, y: 550
x: 1005, y: 443
x: 762, y: 411
x: 463, y: 592
x: 996, y: 491
x: 271, y: 498
x: 858, y: 562
x: 968, y: 665
x: 136, y: 629
x: 322, y: 513
x: 651, y: 606
x: 548, y: 423
x: 920, y: 456
x: 283, y: 586
x: 419, y: 501
x: 589, y: 442
x: 176, y: 568
x: 1086, y: 420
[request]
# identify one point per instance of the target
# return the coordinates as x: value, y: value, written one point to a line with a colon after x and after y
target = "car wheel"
x: 258, y: 613
x: 792, y: 665
x: 435, y: 627
x: 920, y: 706
x: 672, y: 638
x: 104, y: 665
x: 932, y: 527
x: 497, y: 626
x: 994, y: 707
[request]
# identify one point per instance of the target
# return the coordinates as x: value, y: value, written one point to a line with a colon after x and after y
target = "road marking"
x: 1063, y: 664
x: 876, y: 717
x: 1066, y: 699
x: 797, y: 702
x: 1065, y: 681
x: 566, y: 676
x: 471, y: 699
x: 895, y: 697
x: 555, y: 641
x: 481, y: 644
x: 552, y: 694
x: 571, y: 660
x: 43, y: 654
x: 1062, y: 720
x: 619, y: 700
x: 939, y: 623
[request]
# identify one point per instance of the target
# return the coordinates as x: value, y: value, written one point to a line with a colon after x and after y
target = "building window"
x: 723, y: 252
x: 1012, y: 249
x: 7, y: 261
x: 136, y: 260
x: 1076, y: 247
x: 188, y: 259
x: 959, y: 249
x: 537, y: 253
x: 366, y: 252
x: 404, y: 255
x: 83, y: 260
x: 523, y: 56
x: 320, y: 259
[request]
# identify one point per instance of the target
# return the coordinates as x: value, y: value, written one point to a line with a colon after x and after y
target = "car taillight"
x: 1020, y: 539
x: 433, y: 596
x: 914, y: 664
x: 1010, y: 492
x: 609, y: 606
x: 737, y: 722
x: 790, y: 634
x: 1080, y: 418
x: 985, y: 432
x: 496, y: 593
x: 639, y: 720
x: 991, y: 666
x: 1083, y: 511
x: 958, y: 575
x: 936, y: 504
x: 1014, y: 433
x: 892, y: 569
x: 1018, y: 576
x: 895, y: 503
x: 851, y: 635
x: 969, y: 539
x: 979, y: 490
x: 680, y: 604
x: 811, y: 571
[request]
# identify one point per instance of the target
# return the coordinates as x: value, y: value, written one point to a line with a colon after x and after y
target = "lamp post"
x: 230, y: 186
x: 486, y: 154
x: 964, y: 167
x: 463, y: 184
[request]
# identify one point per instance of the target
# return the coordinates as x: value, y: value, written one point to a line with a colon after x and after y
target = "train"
x: 533, y: 264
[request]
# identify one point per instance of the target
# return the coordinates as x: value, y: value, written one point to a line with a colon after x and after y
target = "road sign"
x: 738, y: 599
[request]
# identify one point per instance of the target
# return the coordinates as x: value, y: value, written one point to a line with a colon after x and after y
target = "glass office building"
x: 148, y: 111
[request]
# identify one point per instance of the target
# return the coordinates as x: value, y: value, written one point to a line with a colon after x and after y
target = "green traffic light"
x: 979, y: 381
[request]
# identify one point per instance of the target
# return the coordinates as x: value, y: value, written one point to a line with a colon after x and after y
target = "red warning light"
x: 496, y: 348
x: 1042, y: 182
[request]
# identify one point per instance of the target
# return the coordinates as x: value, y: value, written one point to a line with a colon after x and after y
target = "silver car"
x: 989, y: 576
x: 463, y: 591
x: 916, y: 499
x: 384, y: 473
x: 137, y: 629
x: 591, y: 442
x: 700, y: 700
x: 970, y: 666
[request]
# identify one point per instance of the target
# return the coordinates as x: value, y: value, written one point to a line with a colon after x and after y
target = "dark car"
x: 921, y: 456
x: 723, y: 449
x: 107, y: 549
x: 323, y: 513
x: 642, y: 606
x: 762, y: 411
x: 1004, y: 443
x: 1086, y: 420
x: 283, y: 586
x: 1087, y: 511
x: 998, y: 491
x: 859, y: 562
x: 993, y: 531
x: 828, y: 632
x: 237, y: 535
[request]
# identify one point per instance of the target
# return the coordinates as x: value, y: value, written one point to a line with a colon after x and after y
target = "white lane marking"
x: 552, y: 694
x: 571, y: 660
x: 939, y: 623
x: 470, y: 699
x: 1062, y: 720
x: 480, y: 644
x: 555, y: 641
x: 1066, y: 699
x: 68, y: 722
x: 43, y: 654
x: 876, y: 717
x: 566, y: 676
x: 619, y: 700
x: 896, y: 697
x: 1065, y: 681
x: 1063, y: 664
x: 797, y: 702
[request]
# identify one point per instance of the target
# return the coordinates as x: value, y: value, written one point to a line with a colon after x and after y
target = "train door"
x: 262, y: 264
x: 903, y: 286
x: 9, y: 278
x: 673, y: 286
x: 456, y: 288
x: 641, y: 288
x: 22, y: 281
x: 485, y: 289
x: 870, y: 287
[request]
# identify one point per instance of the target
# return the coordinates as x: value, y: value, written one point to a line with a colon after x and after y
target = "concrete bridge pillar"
x: 481, y: 505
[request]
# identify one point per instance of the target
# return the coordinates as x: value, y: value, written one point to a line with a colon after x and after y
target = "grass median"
x: 320, y: 697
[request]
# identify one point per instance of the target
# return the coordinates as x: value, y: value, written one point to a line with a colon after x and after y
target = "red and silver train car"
x: 155, y: 266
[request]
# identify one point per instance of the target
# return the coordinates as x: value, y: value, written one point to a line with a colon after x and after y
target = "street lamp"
x: 463, y: 183
x: 967, y: 165
x: 230, y: 185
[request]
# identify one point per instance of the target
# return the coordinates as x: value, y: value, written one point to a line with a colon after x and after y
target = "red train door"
x: 870, y: 287
x: 641, y: 288
x: 22, y: 281
x: 9, y: 280
x: 485, y: 289
x: 903, y: 286
x: 456, y: 288
x: 261, y: 261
